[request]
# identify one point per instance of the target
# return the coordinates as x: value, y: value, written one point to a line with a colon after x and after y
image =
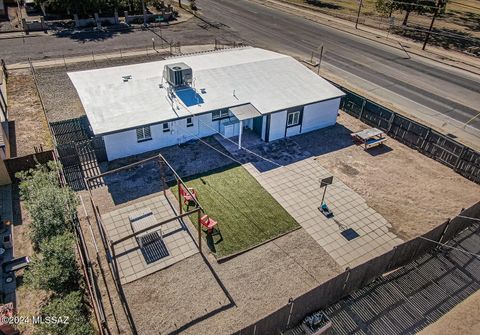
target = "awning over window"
x: 245, y: 112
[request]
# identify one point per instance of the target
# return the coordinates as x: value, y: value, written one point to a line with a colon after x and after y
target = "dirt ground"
x: 188, y: 298
x: 460, y: 20
x: 462, y: 319
x: 27, y: 124
x: 413, y: 192
x: 59, y: 95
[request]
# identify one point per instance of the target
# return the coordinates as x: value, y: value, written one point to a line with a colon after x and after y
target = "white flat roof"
x: 268, y: 80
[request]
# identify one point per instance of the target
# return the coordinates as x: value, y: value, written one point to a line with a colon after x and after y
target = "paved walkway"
x: 296, y: 188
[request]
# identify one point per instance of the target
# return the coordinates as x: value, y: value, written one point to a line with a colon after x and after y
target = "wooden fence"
x: 3, y: 89
x: 353, y: 279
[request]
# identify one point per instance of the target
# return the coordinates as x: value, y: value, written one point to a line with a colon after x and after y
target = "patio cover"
x: 245, y: 112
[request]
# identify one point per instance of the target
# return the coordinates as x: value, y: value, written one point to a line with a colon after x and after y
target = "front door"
x: 257, y: 125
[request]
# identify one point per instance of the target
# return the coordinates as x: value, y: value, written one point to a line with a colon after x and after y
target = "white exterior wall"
x: 278, y: 122
x: 124, y: 144
x: 315, y: 116
x: 320, y: 115
x: 292, y: 131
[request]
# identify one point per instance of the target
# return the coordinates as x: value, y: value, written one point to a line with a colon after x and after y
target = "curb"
x: 282, y: 7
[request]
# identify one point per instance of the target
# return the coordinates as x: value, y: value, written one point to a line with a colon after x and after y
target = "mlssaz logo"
x: 51, y: 320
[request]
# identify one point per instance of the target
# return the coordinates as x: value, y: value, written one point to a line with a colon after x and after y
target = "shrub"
x: 55, y: 269
x: 71, y: 309
x: 51, y: 207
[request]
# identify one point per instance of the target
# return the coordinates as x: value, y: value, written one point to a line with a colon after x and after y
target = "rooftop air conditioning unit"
x: 178, y: 74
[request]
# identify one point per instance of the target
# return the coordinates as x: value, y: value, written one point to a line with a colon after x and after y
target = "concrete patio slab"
x: 135, y: 262
x: 297, y: 188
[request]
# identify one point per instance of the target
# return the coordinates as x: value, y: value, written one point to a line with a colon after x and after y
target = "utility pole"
x: 358, y: 14
x: 144, y: 14
x: 320, y: 59
x: 439, y: 3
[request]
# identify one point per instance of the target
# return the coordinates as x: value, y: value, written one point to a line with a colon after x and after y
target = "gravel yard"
x: 58, y: 93
x: 413, y: 192
x: 27, y: 125
x: 186, y: 296
x: 259, y: 282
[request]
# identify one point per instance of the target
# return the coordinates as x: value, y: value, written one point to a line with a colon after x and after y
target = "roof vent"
x: 178, y: 74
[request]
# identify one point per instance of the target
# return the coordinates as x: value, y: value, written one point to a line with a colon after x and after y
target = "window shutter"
x: 147, y: 132
x: 139, y: 133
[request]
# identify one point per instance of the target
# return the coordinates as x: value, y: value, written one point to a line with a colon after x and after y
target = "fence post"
x: 363, y: 107
x: 346, y: 279
x: 440, y: 240
x: 4, y: 69
x: 390, y: 122
x: 389, y: 267
x: 422, y: 147
x: 291, y: 303
x: 459, y: 159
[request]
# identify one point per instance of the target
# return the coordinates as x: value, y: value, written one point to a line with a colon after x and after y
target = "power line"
x: 249, y: 217
x: 252, y: 152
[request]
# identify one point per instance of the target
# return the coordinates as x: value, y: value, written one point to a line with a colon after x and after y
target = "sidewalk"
x: 92, y: 57
x: 452, y: 58
x: 466, y: 135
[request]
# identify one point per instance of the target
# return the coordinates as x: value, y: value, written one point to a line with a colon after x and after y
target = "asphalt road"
x: 422, y: 86
x: 74, y: 43
x: 444, y: 90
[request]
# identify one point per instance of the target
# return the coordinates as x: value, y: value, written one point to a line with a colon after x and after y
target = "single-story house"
x: 143, y: 107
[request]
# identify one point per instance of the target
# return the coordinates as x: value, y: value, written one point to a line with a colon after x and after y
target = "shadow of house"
x: 286, y: 151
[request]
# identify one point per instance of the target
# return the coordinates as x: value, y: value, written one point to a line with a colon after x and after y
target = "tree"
x: 72, y: 313
x: 55, y: 269
x: 385, y: 7
x: 420, y: 7
x: 51, y: 207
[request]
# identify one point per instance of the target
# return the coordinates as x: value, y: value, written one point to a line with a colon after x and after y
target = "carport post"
x: 179, y: 196
x: 240, y: 135
x: 199, y: 230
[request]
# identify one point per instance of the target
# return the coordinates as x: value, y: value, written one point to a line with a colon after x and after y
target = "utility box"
x: 178, y: 74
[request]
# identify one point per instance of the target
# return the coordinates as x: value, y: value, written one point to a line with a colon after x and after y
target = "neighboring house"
x: 143, y: 107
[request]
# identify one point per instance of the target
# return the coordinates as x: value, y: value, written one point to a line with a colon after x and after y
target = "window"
x: 293, y: 118
x: 220, y: 114
x: 166, y: 127
x: 189, y: 122
x: 144, y: 134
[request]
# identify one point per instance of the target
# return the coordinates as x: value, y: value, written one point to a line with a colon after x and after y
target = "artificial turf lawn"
x: 246, y: 213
